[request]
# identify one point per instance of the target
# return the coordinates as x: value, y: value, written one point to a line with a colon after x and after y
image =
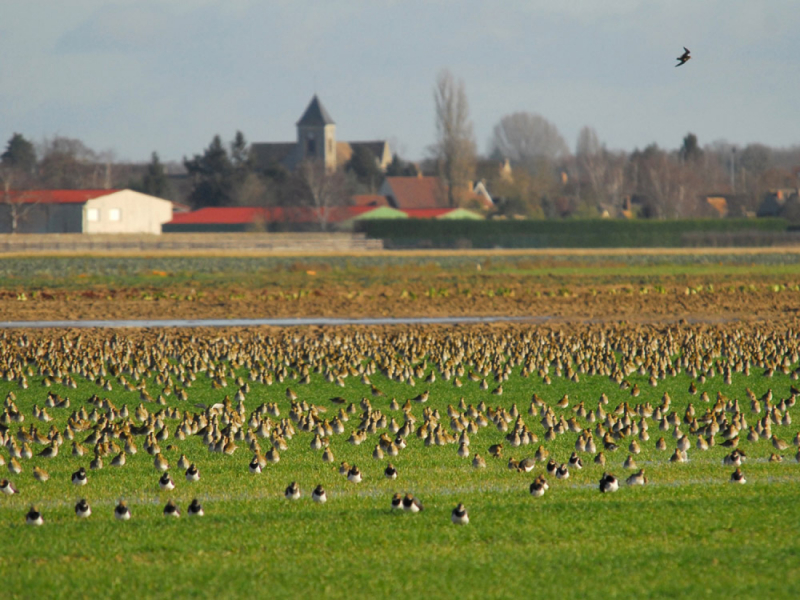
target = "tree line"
x: 544, y: 177
x: 547, y: 180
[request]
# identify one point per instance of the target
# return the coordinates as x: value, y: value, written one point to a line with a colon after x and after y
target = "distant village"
x: 319, y: 182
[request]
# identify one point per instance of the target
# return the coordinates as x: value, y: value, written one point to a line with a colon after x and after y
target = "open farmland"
x: 643, y: 353
x: 687, y: 531
x: 566, y: 285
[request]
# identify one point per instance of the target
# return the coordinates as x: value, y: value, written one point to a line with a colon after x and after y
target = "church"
x: 316, y: 140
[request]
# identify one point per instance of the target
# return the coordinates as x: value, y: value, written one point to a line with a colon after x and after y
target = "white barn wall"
x: 140, y: 213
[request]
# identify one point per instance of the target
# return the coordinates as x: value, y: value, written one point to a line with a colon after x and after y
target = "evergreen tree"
x: 154, y: 181
x: 19, y: 155
x: 214, y: 176
x: 690, y: 150
x: 363, y: 165
x: 400, y: 168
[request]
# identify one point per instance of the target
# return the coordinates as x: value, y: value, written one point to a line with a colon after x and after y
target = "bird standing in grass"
x: 638, y: 478
x: 319, y: 495
x: 255, y: 466
x: 79, y: 477
x: 459, y: 515
x: 171, y: 509
x: 165, y: 482
x: 292, y: 492
x: 354, y: 475
x: 195, y: 509
x: 609, y: 483
x: 412, y: 504
x: 121, y: 511
x: 34, y: 517
x: 82, y: 509
x: 737, y: 476
x: 538, y: 487
x: 8, y: 488
x: 397, y: 502
x: 192, y: 473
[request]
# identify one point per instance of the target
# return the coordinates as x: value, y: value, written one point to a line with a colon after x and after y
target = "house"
x: 718, y: 205
x: 774, y: 201
x: 428, y: 192
x: 82, y: 211
x: 316, y: 140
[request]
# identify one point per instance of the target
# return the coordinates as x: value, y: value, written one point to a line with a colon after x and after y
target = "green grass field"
x: 450, y: 268
x: 687, y: 533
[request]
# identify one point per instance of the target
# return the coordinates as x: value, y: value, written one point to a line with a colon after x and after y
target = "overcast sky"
x: 166, y: 75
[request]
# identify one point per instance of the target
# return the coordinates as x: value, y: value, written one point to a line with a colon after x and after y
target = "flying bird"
x: 683, y: 57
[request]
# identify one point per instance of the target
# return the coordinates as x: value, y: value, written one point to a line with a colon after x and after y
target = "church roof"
x: 271, y: 153
x: 315, y: 115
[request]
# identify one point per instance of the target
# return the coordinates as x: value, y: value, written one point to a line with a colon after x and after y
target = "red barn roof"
x: 244, y: 215
x: 218, y: 216
x: 57, y: 196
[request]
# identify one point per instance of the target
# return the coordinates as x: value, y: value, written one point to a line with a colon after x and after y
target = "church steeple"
x: 315, y: 115
x: 316, y: 134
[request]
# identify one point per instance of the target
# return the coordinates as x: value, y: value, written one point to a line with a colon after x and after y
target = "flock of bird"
x: 162, y: 369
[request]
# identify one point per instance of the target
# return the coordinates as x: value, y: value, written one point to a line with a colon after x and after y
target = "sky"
x: 137, y: 76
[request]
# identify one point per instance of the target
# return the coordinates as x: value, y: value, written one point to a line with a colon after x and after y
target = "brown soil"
x: 605, y: 303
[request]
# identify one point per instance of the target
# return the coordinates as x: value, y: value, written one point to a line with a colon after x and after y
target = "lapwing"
x: 82, y: 509
x: 354, y: 475
x: 192, y: 473
x: 412, y: 504
x: 737, y: 476
x: 8, y: 488
x: 34, y: 517
x: 319, y: 495
x: 195, y: 509
x: 171, y: 509
x: 79, y: 477
x: 165, y: 482
x: 609, y: 483
x: 121, y: 511
x: 459, y: 515
x: 292, y: 492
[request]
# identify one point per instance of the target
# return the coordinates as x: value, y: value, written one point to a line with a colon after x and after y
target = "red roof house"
x: 426, y: 192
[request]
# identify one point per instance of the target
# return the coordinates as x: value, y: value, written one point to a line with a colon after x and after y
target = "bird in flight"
x: 683, y: 57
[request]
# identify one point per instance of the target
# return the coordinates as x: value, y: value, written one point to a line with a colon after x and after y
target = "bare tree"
x: 591, y: 162
x: 526, y: 138
x: 454, y: 149
x: 324, y: 190
x: 68, y: 163
x: 17, y: 204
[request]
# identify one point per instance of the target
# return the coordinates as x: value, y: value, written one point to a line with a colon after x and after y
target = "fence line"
x: 274, y: 242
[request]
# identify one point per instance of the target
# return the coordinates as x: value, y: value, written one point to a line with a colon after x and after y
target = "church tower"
x: 316, y: 135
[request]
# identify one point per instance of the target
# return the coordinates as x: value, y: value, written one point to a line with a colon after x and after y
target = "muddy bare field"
x: 605, y: 303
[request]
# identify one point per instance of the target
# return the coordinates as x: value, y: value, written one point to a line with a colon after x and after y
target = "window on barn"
x: 114, y: 214
x: 93, y: 214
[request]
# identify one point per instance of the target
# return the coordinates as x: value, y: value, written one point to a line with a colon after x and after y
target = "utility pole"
x: 733, y: 169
